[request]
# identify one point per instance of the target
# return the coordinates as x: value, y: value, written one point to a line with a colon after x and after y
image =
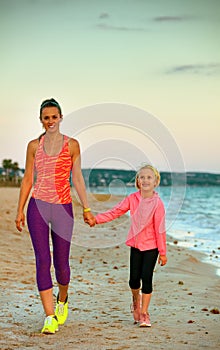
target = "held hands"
x: 162, y: 260
x: 89, y: 218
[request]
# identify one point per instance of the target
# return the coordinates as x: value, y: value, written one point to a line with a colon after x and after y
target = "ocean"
x: 192, y: 216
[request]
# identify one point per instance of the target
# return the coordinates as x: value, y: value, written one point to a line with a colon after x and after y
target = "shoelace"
x: 49, y: 320
x: 60, y: 309
x: 146, y: 318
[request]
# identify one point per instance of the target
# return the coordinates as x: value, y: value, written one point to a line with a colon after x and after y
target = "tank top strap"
x: 40, y: 146
x: 65, y: 139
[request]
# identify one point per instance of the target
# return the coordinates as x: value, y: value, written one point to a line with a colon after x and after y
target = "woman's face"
x: 50, y: 119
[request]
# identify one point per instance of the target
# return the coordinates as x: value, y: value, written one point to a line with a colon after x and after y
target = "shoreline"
x: 185, y: 296
x: 202, y: 256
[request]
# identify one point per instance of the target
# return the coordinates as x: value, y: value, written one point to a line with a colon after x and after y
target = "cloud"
x: 171, y: 18
x: 104, y: 26
x: 104, y: 15
x: 207, y: 69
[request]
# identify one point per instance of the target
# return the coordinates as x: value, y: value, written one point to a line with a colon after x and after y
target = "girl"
x: 53, y: 156
x: 146, y: 237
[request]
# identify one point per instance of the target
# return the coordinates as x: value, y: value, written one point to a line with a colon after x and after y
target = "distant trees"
x: 7, y: 166
x: 10, y: 171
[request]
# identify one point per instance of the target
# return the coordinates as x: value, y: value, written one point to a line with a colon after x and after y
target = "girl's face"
x: 147, y: 180
x: 50, y: 118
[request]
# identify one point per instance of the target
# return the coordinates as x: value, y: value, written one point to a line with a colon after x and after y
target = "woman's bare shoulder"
x: 33, y: 145
x: 73, y: 146
x: 73, y: 142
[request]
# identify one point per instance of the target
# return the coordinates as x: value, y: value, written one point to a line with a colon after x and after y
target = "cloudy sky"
x: 159, y: 56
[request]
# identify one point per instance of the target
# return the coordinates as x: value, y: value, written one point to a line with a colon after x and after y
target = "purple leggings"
x: 43, y: 217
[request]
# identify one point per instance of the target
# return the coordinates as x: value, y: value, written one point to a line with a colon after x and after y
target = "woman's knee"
x: 63, y: 275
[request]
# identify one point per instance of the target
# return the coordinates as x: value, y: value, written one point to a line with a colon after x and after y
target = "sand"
x: 185, y: 292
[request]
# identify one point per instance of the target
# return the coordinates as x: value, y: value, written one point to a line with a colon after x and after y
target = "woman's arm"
x: 78, y: 180
x: 26, y: 183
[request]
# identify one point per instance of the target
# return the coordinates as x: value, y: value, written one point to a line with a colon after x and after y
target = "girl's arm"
x: 26, y: 183
x: 118, y: 210
x: 78, y: 180
x: 160, y: 229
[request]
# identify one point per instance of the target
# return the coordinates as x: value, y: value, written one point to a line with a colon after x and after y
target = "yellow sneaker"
x: 61, y: 311
x: 50, y: 325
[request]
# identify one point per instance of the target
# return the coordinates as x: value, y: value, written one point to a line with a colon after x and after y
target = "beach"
x: 184, y: 308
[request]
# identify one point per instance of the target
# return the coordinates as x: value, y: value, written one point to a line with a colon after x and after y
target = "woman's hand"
x: 162, y: 260
x: 20, y: 220
x: 89, y: 218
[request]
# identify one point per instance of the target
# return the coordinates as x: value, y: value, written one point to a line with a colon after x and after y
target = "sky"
x: 153, y: 64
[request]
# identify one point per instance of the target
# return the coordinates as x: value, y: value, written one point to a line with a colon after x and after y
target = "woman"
x: 53, y: 156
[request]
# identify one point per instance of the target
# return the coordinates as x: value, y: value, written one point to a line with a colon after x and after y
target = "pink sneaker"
x: 136, y: 308
x: 145, y: 320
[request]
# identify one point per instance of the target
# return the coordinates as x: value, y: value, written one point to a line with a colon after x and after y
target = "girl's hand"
x: 20, y: 219
x: 162, y: 260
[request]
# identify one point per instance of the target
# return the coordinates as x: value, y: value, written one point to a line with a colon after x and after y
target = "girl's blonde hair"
x: 155, y: 171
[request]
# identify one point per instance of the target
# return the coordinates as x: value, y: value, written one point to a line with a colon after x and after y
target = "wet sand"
x: 185, y: 292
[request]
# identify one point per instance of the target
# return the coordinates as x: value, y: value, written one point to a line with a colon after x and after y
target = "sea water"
x: 192, y: 216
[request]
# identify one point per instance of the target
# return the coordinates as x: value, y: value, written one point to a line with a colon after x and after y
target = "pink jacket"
x: 147, y: 230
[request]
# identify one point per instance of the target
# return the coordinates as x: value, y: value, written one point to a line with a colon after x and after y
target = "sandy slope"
x: 185, y: 291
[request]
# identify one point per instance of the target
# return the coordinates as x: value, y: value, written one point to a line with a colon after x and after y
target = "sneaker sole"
x: 145, y: 325
x: 49, y: 332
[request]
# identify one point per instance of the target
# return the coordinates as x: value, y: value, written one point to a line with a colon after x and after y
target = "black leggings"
x: 142, y: 265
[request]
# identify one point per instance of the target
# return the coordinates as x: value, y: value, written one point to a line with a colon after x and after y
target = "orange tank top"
x: 53, y: 175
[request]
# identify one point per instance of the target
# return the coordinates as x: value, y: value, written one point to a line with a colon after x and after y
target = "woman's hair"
x: 50, y: 103
x: 155, y: 171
